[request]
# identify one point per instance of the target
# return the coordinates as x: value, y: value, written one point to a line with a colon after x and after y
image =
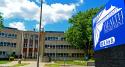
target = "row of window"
x: 6, y: 53
x: 64, y: 54
x: 30, y: 46
x: 31, y: 36
x: 8, y: 35
x: 3, y: 53
x: 30, y: 43
x: 30, y: 55
x: 59, y: 46
x: 55, y: 38
x: 8, y: 44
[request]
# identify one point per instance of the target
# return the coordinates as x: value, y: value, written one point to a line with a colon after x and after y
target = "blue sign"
x: 109, y: 25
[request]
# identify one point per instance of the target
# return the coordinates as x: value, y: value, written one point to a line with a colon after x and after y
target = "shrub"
x: 11, y: 58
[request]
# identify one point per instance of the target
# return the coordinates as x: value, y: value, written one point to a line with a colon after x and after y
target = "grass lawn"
x: 75, y: 62
x: 18, y: 65
x: 52, y: 65
x: 4, y: 62
x: 71, y: 62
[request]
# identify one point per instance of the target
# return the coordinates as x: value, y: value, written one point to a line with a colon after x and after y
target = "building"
x: 10, y: 42
x: 25, y: 44
x: 29, y: 44
x: 57, y: 48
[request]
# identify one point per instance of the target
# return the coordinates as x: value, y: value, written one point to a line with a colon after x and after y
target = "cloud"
x: 81, y: 1
x: 29, y: 10
x: 56, y: 12
x: 37, y: 26
x: 19, y: 8
x: 18, y: 25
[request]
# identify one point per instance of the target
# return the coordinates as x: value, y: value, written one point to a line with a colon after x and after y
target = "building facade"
x: 10, y: 42
x: 56, y: 48
x: 25, y: 44
x: 29, y: 44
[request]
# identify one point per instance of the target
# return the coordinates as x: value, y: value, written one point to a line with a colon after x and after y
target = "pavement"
x: 32, y: 64
x: 9, y: 64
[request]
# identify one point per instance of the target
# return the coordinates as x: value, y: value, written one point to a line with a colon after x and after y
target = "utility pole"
x: 38, y: 55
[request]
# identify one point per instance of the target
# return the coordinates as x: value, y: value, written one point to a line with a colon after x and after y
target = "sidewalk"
x: 9, y: 64
x: 32, y: 64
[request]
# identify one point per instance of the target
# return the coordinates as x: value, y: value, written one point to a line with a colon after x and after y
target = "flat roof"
x: 10, y: 28
x: 54, y: 31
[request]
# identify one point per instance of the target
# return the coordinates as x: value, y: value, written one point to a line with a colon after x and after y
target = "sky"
x: 24, y: 14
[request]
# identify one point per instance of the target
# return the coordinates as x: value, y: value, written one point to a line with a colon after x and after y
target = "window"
x: 1, y: 43
x: 31, y: 37
x: 15, y: 36
x: 2, y: 34
x: 30, y: 54
x: 36, y: 37
x: 8, y: 35
x: 8, y: 43
x: 25, y: 40
x: 31, y: 44
x: 14, y: 45
x: 4, y: 53
x: 5, y: 35
x: 25, y: 35
x: 0, y: 52
x: 62, y: 38
x: 25, y: 45
x: 46, y: 46
x: 36, y: 45
x: 5, y: 43
x: 51, y: 38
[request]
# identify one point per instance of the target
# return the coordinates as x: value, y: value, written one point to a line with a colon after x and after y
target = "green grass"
x: 77, y: 62
x: 18, y: 65
x: 59, y: 63
x: 52, y: 65
x: 4, y: 62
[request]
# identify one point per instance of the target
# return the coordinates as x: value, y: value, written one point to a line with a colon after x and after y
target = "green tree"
x: 1, y: 22
x: 80, y: 32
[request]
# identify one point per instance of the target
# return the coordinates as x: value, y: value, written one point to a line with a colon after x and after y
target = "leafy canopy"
x: 80, y: 32
x: 1, y: 21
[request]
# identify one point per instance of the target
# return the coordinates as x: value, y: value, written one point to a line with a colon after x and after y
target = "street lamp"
x: 39, y: 33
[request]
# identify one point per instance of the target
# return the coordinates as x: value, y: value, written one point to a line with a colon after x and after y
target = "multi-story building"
x: 57, y: 48
x: 10, y: 42
x: 25, y: 43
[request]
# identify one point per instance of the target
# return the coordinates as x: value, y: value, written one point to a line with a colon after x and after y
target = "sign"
x: 109, y: 25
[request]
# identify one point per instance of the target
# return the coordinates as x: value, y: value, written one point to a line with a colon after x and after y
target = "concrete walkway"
x: 32, y: 64
x: 9, y: 64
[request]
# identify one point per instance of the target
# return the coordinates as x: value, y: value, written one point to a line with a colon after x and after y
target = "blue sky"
x: 24, y: 15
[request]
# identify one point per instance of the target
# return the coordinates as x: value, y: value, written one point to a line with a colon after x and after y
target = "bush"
x: 11, y: 58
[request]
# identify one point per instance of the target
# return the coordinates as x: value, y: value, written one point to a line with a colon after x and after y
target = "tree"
x: 80, y: 32
x: 1, y: 22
